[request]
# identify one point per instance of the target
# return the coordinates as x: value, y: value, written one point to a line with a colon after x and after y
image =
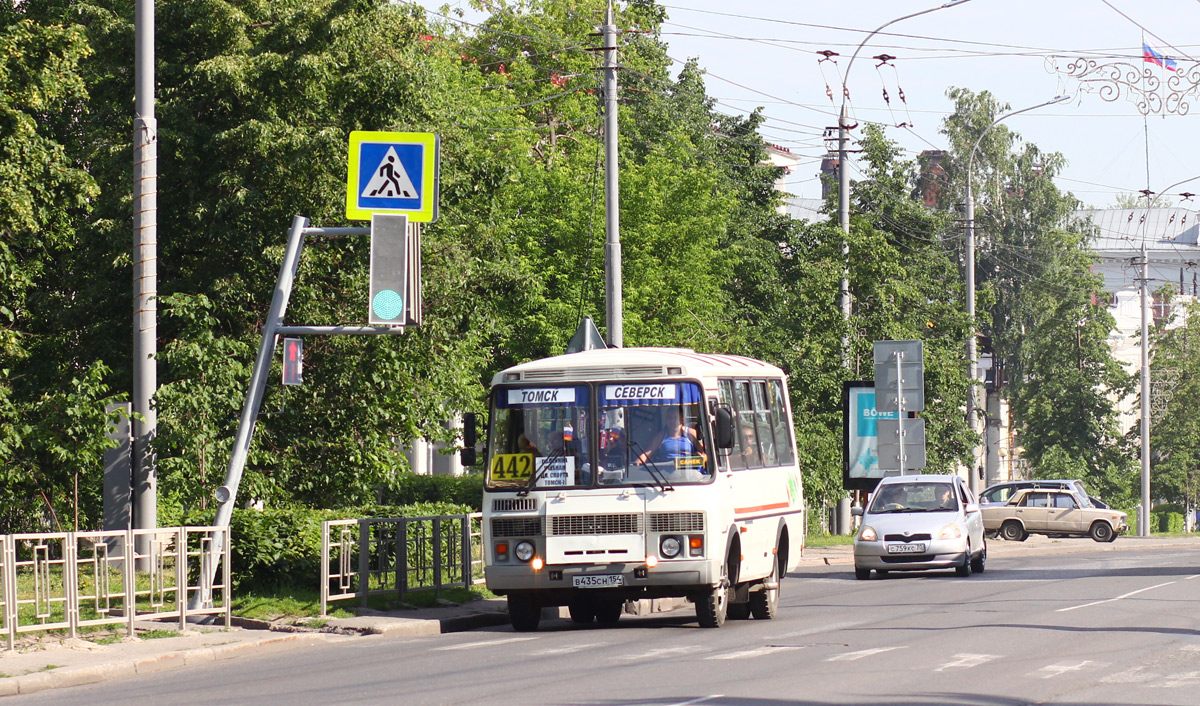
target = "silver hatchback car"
x: 915, y: 523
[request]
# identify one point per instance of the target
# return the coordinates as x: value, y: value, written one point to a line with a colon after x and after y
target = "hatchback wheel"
x: 862, y: 574
x: 979, y: 563
x: 964, y: 569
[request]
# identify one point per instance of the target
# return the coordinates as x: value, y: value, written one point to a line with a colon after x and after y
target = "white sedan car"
x: 915, y: 523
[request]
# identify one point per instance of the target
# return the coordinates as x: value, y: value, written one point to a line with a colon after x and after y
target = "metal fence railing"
x: 395, y: 555
x: 71, y: 580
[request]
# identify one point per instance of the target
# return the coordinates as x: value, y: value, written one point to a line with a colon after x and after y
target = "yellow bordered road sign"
x: 393, y: 172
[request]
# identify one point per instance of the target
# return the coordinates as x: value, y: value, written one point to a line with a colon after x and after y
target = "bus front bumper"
x: 668, y: 578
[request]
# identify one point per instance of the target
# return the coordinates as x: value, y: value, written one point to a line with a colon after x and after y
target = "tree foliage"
x: 255, y: 101
x: 1047, y: 330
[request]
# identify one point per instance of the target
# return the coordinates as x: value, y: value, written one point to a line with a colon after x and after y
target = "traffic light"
x: 293, y: 361
x: 389, y: 269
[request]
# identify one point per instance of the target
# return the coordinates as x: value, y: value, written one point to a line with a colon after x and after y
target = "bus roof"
x: 634, y: 363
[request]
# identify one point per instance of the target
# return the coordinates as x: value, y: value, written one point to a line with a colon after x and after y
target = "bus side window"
x: 762, y: 418
x: 747, y: 448
x: 783, y: 432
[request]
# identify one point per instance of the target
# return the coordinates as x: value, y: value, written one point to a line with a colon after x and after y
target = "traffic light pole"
x: 273, y: 328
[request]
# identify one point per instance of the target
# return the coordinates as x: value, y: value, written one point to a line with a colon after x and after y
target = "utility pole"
x: 612, y: 201
x: 1144, y: 515
x: 145, y: 276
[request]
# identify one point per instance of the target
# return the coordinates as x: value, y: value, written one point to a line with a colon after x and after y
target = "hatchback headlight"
x: 951, y: 531
x: 868, y: 534
x: 523, y: 550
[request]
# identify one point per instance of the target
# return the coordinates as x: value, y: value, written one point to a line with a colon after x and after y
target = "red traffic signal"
x: 293, y: 361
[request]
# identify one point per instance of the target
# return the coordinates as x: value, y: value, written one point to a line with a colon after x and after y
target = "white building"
x: 1170, y: 236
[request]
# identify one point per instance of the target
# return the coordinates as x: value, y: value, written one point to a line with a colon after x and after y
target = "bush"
x: 461, y: 490
x: 1167, y: 521
x: 282, y: 547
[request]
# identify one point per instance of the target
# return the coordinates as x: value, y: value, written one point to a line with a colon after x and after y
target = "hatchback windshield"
x: 914, y: 497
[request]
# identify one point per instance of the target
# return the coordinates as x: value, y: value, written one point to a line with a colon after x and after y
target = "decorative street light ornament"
x: 1143, y: 85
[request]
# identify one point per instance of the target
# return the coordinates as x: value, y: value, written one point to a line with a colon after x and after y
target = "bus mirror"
x: 470, y: 424
x: 469, y: 457
x: 724, y: 428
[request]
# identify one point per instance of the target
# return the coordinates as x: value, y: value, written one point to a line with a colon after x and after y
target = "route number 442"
x: 511, y: 466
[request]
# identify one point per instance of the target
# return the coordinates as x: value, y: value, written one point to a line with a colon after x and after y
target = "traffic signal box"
x: 389, y: 297
x: 293, y: 361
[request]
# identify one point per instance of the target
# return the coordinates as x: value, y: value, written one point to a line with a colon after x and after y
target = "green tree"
x: 1175, y: 436
x: 1047, y: 331
x: 51, y: 410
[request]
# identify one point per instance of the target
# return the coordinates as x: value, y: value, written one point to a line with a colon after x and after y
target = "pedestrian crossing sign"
x: 392, y: 172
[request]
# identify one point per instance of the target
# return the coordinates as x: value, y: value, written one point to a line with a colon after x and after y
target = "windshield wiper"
x: 546, y: 465
x: 659, y: 477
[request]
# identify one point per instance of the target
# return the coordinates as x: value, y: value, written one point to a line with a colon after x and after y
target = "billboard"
x: 860, y: 436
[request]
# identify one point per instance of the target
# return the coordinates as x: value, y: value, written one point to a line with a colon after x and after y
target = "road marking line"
x: 1137, y: 675
x: 1185, y: 679
x: 1110, y: 600
x: 824, y: 628
x: 568, y: 649
x: 700, y: 700
x: 661, y: 652
x: 851, y: 656
x: 966, y: 661
x: 482, y: 643
x: 757, y: 652
x: 1055, y: 670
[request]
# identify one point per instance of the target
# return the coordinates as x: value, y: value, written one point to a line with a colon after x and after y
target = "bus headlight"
x: 523, y: 550
x: 669, y: 547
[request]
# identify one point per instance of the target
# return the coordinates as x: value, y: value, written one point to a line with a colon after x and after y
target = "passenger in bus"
x: 747, y: 456
x: 676, y: 440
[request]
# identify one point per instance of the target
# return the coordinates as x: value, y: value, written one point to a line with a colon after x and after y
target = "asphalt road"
x: 1086, y: 627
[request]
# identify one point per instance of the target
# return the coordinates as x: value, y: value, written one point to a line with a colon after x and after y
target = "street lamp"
x: 972, y: 355
x: 844, y: 175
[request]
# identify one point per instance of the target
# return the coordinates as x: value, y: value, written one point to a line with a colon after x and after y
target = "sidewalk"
x: 56, y: 662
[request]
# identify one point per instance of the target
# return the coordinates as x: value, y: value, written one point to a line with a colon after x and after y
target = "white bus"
x: 622, y: 474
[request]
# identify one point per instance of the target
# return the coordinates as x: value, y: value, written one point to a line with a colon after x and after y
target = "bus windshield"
x: 637, y: 434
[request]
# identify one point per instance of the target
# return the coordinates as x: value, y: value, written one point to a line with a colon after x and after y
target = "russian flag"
x: 1154, y: 57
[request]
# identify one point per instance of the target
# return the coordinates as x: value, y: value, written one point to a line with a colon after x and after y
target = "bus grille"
x: 514, y: 504
x: 677, y: 522
x: 595, y: 524
x: 516, y: 526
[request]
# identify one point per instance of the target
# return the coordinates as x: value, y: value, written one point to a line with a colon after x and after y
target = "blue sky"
x: 763, y: 53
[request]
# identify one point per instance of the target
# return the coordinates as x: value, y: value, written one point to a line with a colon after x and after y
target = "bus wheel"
x: 713, y: 605
x: 523, y: 611
x: 582, y: 610
x: 608, y: 612
x: 764, y: 604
